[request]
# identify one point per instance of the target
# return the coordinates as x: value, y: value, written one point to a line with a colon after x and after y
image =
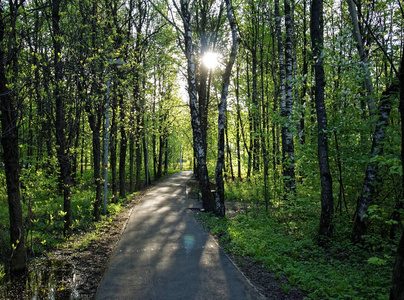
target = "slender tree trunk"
x: 285, y: 133
x: 94, y: 120
x: 238, y: 124
x: 207, y: 198
x: 113, y: 147
x: 250, y: 121
x: 264, y: 131
x: 305, y: 68
x: 363, y: 56
x: 146, y: 160
x: 166, y: 155
x: 397, y: 290
x: 132, y: 185
x: 287, y: 105
x: 62, y: 149
x: 138, y: 159
x: 122, y: 151
x: 371, y: 177
x: 9, y: 141
x: 317, y: 38
x: 220, y: 207
x: 256, y: 122
x: 228, y: 148
x: 139, y: 123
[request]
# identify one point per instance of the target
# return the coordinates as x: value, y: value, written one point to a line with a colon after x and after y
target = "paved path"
x: 165, y: 254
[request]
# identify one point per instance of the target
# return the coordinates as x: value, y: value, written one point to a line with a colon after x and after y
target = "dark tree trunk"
x: 162, y: 150
x: 371, y: 177
x: 122, y: 152
x: 139, y: 124
x: 62, y: 149
x: 113, y: 147
x: 220, y: 207
x: 138, y: 159
x: 166, y: 156
x: 397, y: 290
x: 155, y: 156
x: 9, y: 141
x: 146, y: 160
x: 238, y: 124
x: 132, y: 186
x: 317, y: 38
x: 95, y: 125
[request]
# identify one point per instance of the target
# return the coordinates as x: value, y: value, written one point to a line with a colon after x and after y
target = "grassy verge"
x: 287, y: 246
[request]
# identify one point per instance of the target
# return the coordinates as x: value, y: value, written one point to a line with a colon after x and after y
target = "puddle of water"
x: 46, y: 279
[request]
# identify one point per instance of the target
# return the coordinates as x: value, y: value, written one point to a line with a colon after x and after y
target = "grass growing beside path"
x: 342, y: 271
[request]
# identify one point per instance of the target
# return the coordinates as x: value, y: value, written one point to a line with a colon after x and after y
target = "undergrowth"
x: 285, y: 242
x: 43, y: 215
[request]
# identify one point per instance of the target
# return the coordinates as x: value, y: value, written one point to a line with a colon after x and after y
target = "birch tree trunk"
x: 371, y: 177
x: 363, y: 56
x: 286, y: 135
x: 287, y: 105
x: 317, y: 38
x: 200, y: 153
x: 219, y: 195
x: 122, y: 151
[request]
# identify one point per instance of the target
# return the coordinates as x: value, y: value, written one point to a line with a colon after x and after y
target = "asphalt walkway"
x: 165, y: 254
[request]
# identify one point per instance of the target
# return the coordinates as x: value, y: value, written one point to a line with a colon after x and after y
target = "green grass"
x: 43, y: 212
x: 284, y: 240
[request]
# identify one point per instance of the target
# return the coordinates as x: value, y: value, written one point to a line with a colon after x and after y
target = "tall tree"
x: 62, y: 139
x: 9, y: 138
x: 397, y: 289
x: 371, y: 176
x: 363, y: 56
x: 219, y: 195
x: 286, y: 104
x: 317, y: 39
x: 185, y: 10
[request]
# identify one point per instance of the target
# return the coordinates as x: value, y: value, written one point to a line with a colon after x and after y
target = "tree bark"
x: 207, y: 198
x: 371, y: 177
x: 122, y: 151
x: 9, y: 141
x: 238, y: 123
x: 363, y: 56
x: 62, y: 149
x: 317, y: 38
x: 397, y: 289
x: 113, y: 146
x: 219, y: 195
x: 94, y: 119
x: 287, y: 105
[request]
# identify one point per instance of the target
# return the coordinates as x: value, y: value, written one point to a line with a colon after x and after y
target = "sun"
x: 211, y: 60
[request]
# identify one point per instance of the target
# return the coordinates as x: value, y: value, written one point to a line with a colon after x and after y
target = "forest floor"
x: 78, y: 266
